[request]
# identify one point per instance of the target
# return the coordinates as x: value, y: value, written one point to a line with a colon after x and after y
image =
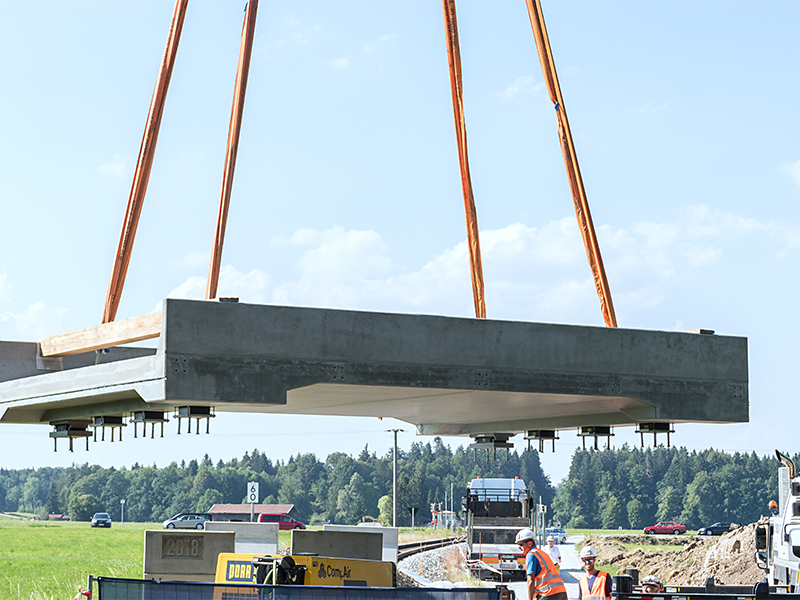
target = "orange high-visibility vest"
x: 547, y: 582
x: 598, y: 591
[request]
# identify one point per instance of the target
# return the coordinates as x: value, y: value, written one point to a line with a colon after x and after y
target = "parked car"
x: 665, y: 527
x: 283, y: 521
x: 101, y: 520
x: 558, y: 533
x: 187, y: 521
x: 206, y: 516
x: 718, y: 528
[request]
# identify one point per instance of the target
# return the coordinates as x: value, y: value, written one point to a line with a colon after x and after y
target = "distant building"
x: 241, y: 512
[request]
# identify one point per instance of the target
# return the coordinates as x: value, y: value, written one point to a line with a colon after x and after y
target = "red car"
x: 665, y: 527
x: 283, y: 521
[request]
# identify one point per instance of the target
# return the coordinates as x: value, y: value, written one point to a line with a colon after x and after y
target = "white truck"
x: 496, y: 510
x: 778, y: 538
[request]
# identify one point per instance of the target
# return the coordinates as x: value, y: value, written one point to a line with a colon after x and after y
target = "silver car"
x: 185, y: 522
x: 558, y: 533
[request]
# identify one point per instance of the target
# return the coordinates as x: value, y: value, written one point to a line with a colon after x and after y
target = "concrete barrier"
x: 251, y: 538
x: 338, y: 544
x: 188, y: 555
x: 389, y: 537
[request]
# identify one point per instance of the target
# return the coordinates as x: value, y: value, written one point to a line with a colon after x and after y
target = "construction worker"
x: 553, y: 552
x: 594, y: 584
x: 651, y: 585
x: 543, y: 579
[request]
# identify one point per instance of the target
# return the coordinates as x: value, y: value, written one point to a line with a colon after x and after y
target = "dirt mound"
x: 729, y: 558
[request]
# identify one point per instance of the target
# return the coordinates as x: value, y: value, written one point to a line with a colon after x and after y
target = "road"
x: 571, y: 570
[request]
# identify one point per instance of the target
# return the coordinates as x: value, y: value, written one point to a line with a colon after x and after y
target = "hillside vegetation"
x: 630, y: 488
x: 340, y: 489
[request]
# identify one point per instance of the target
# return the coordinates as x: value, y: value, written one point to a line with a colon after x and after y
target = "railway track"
x: 412, y: 548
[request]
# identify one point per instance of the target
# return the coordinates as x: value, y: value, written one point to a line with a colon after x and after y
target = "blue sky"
x: 347, y: 192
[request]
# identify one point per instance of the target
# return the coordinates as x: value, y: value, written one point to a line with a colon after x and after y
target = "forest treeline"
x: 625, y: 487
x: 632, y: 488
x: 340, y: 489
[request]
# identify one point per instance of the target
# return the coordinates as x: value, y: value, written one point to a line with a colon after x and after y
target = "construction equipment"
x: 778, y: 538
x: 304, y: 569
x: 496, y: 510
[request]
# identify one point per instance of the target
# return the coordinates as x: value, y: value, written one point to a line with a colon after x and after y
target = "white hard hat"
x: 550, y: 538
x: 651, y: 580
x: 525, y: 534
x: 588, y: 552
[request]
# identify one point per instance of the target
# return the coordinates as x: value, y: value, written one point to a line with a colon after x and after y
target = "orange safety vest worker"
x: 598, y: 591
x: 547, y: 582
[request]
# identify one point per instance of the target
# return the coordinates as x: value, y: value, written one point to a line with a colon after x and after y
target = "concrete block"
x: 338, y: 544
x: 389, y: 537
x: 251, y: 538
x: 188, y: 555
x: 439, y: 373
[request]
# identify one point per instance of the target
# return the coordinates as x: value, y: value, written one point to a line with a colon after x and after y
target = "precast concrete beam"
x: 445, y: 375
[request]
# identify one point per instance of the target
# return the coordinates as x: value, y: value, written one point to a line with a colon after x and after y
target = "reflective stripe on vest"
x: 547, y: 582
x: 598, y: 591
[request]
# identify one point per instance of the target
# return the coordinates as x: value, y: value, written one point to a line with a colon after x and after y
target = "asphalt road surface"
x: 571, y: 570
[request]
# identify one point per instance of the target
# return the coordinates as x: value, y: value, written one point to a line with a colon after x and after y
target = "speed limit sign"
x: 252, y: 492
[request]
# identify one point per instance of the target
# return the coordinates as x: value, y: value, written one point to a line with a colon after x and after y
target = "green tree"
x: 34, y: 495
x: 350, y: 506
x: 385, y: 512
x: 208, y: 499
x: 637, y: 514
x: 83, y: 506
x: 612, y: 513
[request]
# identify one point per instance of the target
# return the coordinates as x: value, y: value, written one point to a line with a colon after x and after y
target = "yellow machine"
x: 301, y: 569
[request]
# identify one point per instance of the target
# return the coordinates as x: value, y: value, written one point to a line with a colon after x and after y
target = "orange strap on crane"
x: 571, y: 163
x: 245, y: 50
x: 145, y: 162
x: 473, y: 240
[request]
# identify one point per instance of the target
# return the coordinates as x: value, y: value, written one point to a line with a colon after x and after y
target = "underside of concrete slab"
x: 447, y: 376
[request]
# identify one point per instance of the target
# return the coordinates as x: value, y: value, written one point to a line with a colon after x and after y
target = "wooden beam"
x: 106, y: 335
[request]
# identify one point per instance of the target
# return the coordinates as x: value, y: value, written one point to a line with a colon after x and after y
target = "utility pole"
x: 394, y: 478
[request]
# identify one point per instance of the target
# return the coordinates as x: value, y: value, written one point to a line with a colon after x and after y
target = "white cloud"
x: 301, y: 37
x: 338, y: 63
x: 115, y: 167
x: 196, y: 259
x: 36, y: 321
x: 531, y: 273
x: 793, y: 170
x: 253, y: 286
x: 375, y: 45
x: 521, y: 84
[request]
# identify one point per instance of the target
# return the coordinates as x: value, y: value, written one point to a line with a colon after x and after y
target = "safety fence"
x: 109, y: 588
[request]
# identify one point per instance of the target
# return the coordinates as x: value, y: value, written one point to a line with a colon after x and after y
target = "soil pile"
x: 728, y: 558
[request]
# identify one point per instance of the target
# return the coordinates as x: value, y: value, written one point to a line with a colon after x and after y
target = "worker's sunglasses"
x: 587, y: 559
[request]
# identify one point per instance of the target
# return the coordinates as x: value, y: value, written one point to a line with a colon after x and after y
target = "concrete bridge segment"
x: 445, y: 375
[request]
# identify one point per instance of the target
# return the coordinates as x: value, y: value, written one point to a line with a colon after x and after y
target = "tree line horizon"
x: 625, y: 487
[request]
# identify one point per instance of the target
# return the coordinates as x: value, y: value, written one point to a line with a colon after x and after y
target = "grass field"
x: 47, y: 560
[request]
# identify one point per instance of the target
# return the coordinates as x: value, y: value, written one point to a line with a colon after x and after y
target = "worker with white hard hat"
x: 543, y: 579
x: 594, y: 584
x: 553, y: 552
x: 651, y: 585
